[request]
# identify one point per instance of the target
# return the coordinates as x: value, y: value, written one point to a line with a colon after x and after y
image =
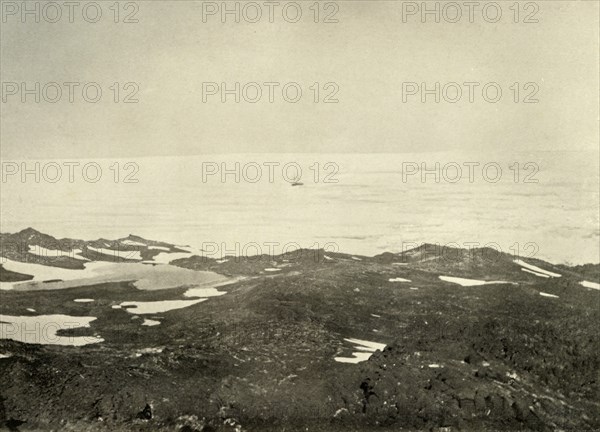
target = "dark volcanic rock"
x: 261, y: 357
x: 146, y: 413
x: 10, y: 276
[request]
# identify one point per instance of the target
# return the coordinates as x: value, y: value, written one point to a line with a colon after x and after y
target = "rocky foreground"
x: 520, y: 352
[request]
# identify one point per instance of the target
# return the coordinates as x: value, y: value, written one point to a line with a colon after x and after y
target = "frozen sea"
x: 358, y: 203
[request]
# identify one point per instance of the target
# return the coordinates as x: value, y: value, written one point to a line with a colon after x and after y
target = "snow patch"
x: 133, y: 243
x: 203, y: 292
x: 42, y: 272
x: 55, y: 253
x: 150, y: 323
x: 124, y: 254
x: 154, y: 307
x: 361, y: 355
x: 19, y: 328
x: 146, y: 277
x: 150, y: 350
x: 357, y: 357
x: 536, y: 269
x: 167, y: 257
x: 469, y: 282
x: 535, y: 273
x: 592, y: 285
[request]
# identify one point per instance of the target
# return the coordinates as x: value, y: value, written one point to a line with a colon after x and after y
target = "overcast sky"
x: 369, y: 53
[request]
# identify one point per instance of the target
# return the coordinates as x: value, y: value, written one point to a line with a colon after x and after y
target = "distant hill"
x: 32, y: 246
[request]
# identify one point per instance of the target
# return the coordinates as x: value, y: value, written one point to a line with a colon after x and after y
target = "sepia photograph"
x: 299, y: 216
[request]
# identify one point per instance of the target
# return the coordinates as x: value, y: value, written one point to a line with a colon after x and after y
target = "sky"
x: 374, y: 47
